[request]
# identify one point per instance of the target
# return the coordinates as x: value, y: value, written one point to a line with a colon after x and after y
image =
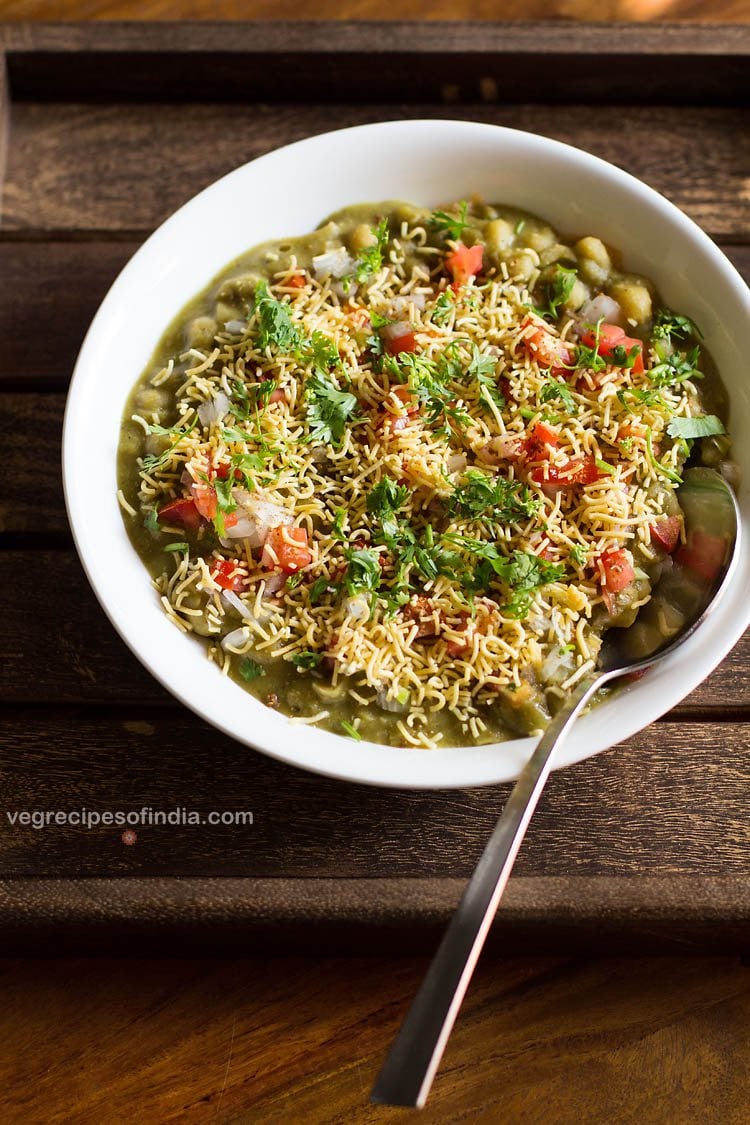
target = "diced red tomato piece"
x: 610, y: 337
x: 580, y: 470
x: 278, y: 395
x: 289, y: 546
x: 465, y: 262
x: 296, y: 281
x: 205, y: 500
x: 540, y: 438
x: 703, y: 554
x: 666, y: 533
x: 548, y: 350
x: 404, y: 343
x: 406, y: 398
x: 183, y: 513
x: 615, y: 569
x: 226, y: 574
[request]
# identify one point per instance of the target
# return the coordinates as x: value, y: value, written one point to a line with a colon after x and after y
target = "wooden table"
x: 641, y: 849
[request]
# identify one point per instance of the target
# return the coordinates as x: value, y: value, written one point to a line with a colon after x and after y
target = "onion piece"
x: 456, y: 462
x: 357, y: 608
x: 403, y: 305
x: 236, y: 638
x: 396, y: 330
x: 395, y: 706
x: 273, y: 583
x: 256, y: 516
x: 603, y: 308
x: 333, y: 263
x: 235, y: 327
x: 231, y: 598
x: 213, y: 409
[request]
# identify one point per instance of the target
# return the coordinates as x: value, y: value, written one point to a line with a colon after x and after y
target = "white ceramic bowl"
x: 424, y: 162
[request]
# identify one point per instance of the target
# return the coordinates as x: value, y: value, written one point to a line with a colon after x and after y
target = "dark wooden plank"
x: 77, y: 657
x: 51, y: 291
x: 65, y: 173
x: 130, y: 916
x: 408, y: 61
x: 37, y: 419
x: 673, y: 800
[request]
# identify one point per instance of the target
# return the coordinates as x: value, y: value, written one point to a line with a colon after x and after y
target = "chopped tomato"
x: 287, y: 548
x: 616, y: 570
x: 405, y: 343
x: 406, y: 398
x: 296, y: 281
x: 465, y: 262
x: 278, y: 395
x: 612, y: 336
x: 226, y: 574
x: 580, y: 470
x: 666, y: 533
x: 181, y: 512
x: 222, y: 471
x: 205, y: 500
x: 703, y: 554
x: 548, y: 350
x: 539, y: 438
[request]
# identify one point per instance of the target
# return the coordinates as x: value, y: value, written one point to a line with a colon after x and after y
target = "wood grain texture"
x: 65, y: 174
x: 670, y: 801
x: 60, y: 285
x: 281, y: 1041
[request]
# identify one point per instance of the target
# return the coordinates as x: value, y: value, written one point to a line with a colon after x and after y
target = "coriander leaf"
x: 370, y: 259
x: 176, y: 547
x: 151, y: 462
x: 386, y: 497
x: 443, y: 306
x: 151, y: 522
x: 225, y: 503
x: 363, y: 570
x: 318, y: 588
x: 322, y: 351
x: 491, y: 498
x: 704, y: 426
x: 480, y: 365
x: 676, y: 368
x: 579, y: 554
x: 250, y: 669
x: 553, y: 391
x: 275, y: 325
x: 307, y: 660
x: 337, y: 528
x: 669, y: 325
x: 620, y: 356
x: 558, y: 289
x: 328, y: 410
x: 452, y: 226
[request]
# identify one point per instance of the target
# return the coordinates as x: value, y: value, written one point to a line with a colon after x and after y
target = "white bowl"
x: 424, y: 162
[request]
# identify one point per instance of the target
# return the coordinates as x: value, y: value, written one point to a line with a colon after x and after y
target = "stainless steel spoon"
x: 684, y: 597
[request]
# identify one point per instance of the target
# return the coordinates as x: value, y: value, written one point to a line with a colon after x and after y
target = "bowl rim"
x: 399, y: 767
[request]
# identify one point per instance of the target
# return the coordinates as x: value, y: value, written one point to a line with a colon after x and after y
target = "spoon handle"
x: 407, y: 1073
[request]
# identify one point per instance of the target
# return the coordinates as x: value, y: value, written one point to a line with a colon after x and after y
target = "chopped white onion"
x: 603, y: 308
x: 234, y: 639
x: 231, y: 598
x: 403, y: 305
x: 395, y: 330
x: 557, y: 667
x: 256, y: 517
x: 357, y: 607
x: 393, y: 705
x: 236, y: 327
x: 214, y: 409
x: 333, y: 263
x: 456, y: 462
x: 273, y: 584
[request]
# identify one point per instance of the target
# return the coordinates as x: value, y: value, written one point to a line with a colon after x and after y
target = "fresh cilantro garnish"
x: 275, y: 325
x: 579, y: 554
x: 522, y: 571
x: 337, y: 527
x: 641, y: 395
x: 493, y: 499
x: 605, y: 467
x: 588, y: 356
x: 225, y: 503
x: 386, y: 497
x: 250, y: 669
x: 151, y: 522
x: 554, y: 391
x: 176, y: 547
x: 670, y: 474
x: 151, y: 462
x: 704, y: 426
x: 362, y: 571
x: 322, y: 351
x: 350, y: 730
x: 294, y: 580
x: 318, y: 588
x: 676, y: 368
x: 482, y: 368
x: 620, y: 356
x: 443, y: 306
x: 307, y: 660
x: 328, y: 409
x: 452, y: 226
x: 370, y: 259
x: 558, y: 289
x: 428, y: 379
x: 519, y: 226
x: 669, y: 325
